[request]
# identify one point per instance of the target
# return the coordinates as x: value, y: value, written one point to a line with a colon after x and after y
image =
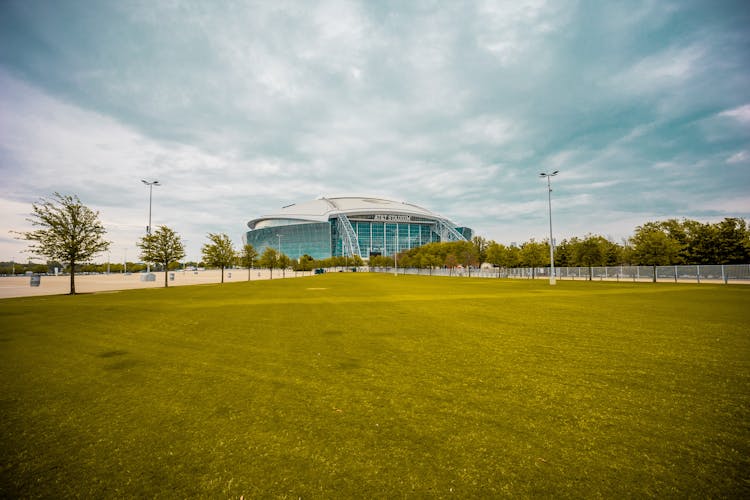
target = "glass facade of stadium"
x: 376, y: 234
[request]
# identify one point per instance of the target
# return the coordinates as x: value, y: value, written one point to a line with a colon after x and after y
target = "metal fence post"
x: 698, y: 273
x: 723, y: 275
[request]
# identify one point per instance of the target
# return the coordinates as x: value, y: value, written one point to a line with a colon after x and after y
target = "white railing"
x: 719, y: 273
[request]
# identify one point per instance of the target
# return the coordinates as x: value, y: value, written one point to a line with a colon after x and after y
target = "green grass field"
x: 360, y: 385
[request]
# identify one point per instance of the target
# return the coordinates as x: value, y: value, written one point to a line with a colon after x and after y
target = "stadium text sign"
x: 393, y: 218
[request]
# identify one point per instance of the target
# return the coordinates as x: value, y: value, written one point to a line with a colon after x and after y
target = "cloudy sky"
x: 240, y: 108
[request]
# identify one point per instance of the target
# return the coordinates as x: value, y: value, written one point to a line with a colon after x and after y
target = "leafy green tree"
x: 702, y: 248
x: 219, y: 252
x: 678, y: 232
x: 269, y: 259
x: 305, y: 263
x: 732, y: 241
x: 480, y: 248
x: 283, y: 263
x: 248, y: 257
x: 534, y: 254
x: 564, y: 255
x: 612, y: 253
x: 590, y: 252
x: 451, y: 261
x: 164, y: 246
x: 68, y: 231
x: 514, y: 256
x: 39, y: 268
x: 135, y: 267
x: 115, y: 267
x: 381, y: 261
x: 652, y: 246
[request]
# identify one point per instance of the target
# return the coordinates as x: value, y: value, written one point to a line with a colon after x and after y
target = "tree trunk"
x: 653, y: 279
x: 166, y: 272
x: 72, y: 277
x: 249, y: 270
x: 222, y: 274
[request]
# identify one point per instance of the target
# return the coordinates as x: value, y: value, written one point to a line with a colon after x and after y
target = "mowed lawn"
x: 361, y: 385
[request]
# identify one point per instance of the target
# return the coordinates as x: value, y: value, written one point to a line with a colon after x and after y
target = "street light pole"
x: 551, y: 241
x: 148, y: 228
x: 395, y: 255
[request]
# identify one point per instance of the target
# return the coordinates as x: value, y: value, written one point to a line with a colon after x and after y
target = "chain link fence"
x: 720, y: 273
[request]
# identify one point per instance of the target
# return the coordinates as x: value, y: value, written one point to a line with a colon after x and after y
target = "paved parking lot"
x: 19, y: 286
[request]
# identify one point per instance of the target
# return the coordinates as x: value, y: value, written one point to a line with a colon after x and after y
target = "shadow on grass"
x: 112, y: 354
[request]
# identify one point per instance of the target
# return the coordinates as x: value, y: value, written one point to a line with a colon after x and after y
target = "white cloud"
x: 739, y: 157
x: 246, y: 107
x: 508, y: 29
x: 48, y: 145
x: 666, y: 69
x: 741, y: 114
x: 487, y: 129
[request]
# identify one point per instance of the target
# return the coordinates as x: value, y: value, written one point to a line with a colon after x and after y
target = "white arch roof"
x: 323, y: 208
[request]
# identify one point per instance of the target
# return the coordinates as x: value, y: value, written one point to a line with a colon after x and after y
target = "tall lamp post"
x: 551, y: 241
x: 395, y: 255
x: 150, y: 185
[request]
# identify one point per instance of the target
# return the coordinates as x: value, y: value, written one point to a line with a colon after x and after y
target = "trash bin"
x: 35, y: 280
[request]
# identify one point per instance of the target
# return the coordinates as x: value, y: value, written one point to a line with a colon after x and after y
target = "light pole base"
x: 552, y: 280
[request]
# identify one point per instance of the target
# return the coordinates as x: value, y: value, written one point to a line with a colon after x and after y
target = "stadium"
x: 350, y: 226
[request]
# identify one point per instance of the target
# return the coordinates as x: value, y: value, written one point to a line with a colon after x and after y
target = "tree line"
x: 68, y: 232
x: 662, y: 243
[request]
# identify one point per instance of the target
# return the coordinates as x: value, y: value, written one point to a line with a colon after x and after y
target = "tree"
x: 534, y: 254
x: 652, y: 246
x: 68, y: 231
x: 305, y: 263
x: 591, y: 251
x: 702, y: 248
x: 219, y: 252
x: 283, y: 263
x: 480, y: 248
x: 733, y: 241
x: 450, y: 262
x: 248, y: 257
x: 564, y: 253
x: 163, y: 246
x: 269, y: 259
